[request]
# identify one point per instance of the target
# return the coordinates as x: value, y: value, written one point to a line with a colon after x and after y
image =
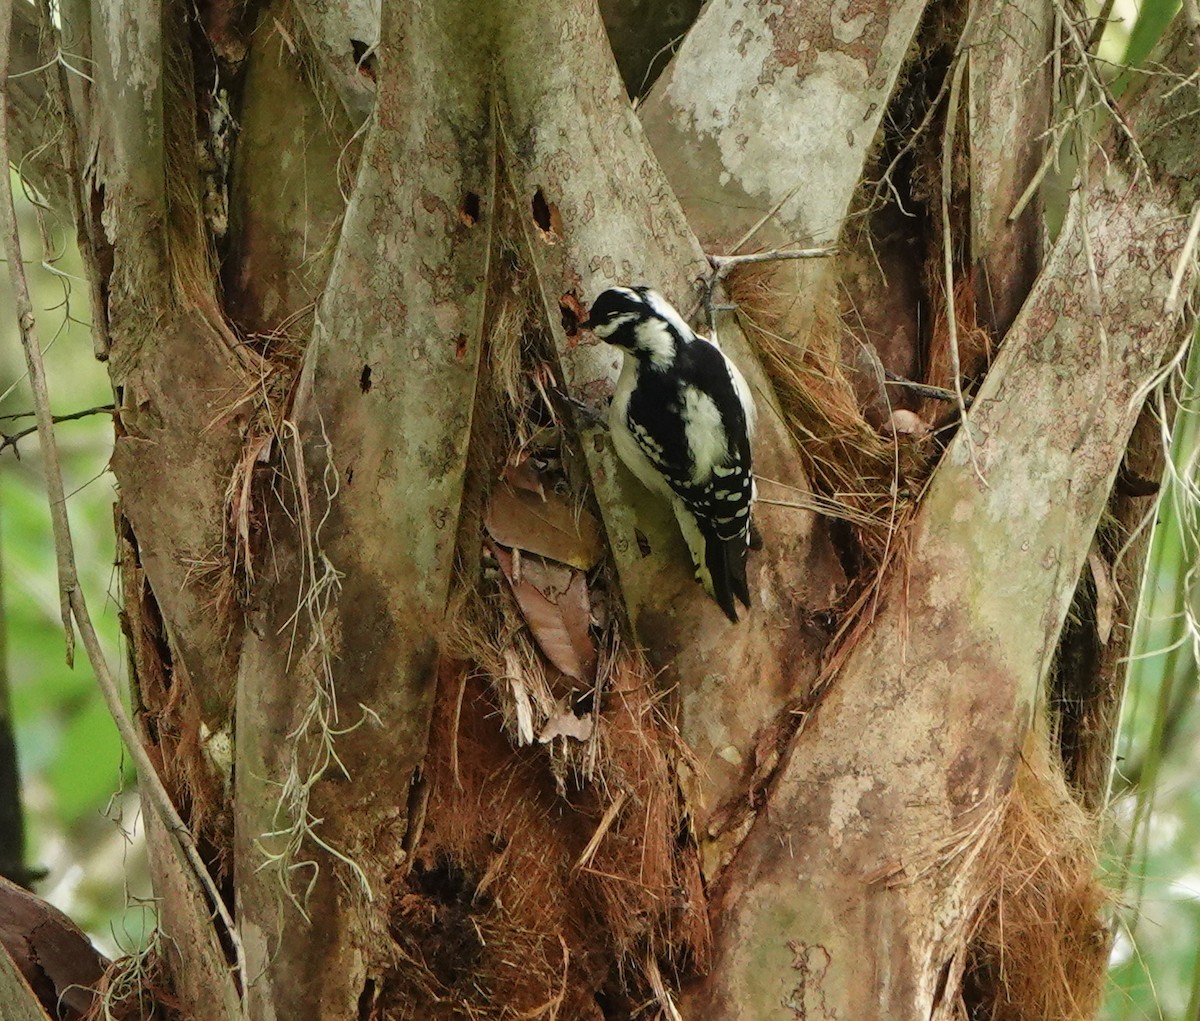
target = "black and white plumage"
x: 681, y: 419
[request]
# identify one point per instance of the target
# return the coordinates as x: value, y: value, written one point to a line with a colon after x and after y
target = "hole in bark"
x: 823, y: 620
x: 102, y: 251
x: 546, y: 216
x: 460, y: 347
x: 943, y: 977
x: 571, y: 312
x: 642, y: 542
x: 349, y: 477
x: 846, y: 546
x: 541, y: 211
x: 470, y: 209
x: 614, y: 1002
x: 366, y: 1000
x: 364, y: 380
x: 1130, y: 483
x: 364, y: 58
x: 444, y: 880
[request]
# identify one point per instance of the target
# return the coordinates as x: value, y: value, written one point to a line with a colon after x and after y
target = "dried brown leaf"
x: 525, y: 476
x: 553, y: 600
x: 1106, y: 596
x: 567, y: 724
x: 549, y: 527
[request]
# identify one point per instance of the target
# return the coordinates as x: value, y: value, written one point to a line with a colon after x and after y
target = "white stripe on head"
x: 663, y: 308
x: 655, y: 338
x: 607, y: 329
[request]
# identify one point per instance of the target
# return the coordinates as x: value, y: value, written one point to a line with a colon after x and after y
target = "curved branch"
x: 616, y: 220
x: 372, y: 465
x: 899, y: 770
x: 742, y: 124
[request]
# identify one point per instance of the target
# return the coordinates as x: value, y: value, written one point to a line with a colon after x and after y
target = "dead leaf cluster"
x: 555, y: 865
x: 545, y: 548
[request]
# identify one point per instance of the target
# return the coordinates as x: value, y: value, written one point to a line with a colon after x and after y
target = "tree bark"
x: 376, y: 460
x: 306, y: 326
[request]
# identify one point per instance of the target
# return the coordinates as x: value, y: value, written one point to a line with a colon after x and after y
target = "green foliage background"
x: 1155, y: 831
x: 81, y: 813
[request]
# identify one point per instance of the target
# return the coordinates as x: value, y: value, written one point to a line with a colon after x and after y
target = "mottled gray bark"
x: 383, y: 417
x: 739, y: 123
x: 732, y: 680
x: 1007, y: 115
x: 357, y: 285
x: 857, y: 882
x: 765, y: 120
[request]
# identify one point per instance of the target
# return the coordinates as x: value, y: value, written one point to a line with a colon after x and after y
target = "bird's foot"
x: 592, y: 418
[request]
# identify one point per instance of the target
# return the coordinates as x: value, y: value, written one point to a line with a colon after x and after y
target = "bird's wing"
x: 716, y: 488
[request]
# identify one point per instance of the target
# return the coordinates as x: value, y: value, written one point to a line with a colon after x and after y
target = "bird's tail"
x: 720, y: 562
x: 724, y: 573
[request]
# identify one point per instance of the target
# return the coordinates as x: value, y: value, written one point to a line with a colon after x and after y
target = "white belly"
x: 623, y: 442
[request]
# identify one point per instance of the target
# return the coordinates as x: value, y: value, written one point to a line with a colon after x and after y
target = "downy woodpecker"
x: 681, y: 420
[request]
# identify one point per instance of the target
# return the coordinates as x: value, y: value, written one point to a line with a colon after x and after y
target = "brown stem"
x: 15, y: 438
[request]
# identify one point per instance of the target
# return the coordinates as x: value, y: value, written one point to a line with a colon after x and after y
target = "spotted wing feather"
x: 710, y: 478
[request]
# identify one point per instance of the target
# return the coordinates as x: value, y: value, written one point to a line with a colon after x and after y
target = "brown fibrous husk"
x: 1039, y: 945
x: 545, y: 875
x: 868, y: 477
x: 518, y: 898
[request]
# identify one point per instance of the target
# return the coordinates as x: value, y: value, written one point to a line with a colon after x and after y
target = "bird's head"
x: 638, y: 320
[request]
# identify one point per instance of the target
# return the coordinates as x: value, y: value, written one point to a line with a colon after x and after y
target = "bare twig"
x: 72, y: 601
x: 1095, y: 305
x: 1050, y: 159
x: 23, y: 307
x: 671, y: 45
x: 724, y: 264
x: 1171, y: 305
x: 762, y: 220
x: 1088, y: 70
x: 937, y: 393
x: 7, y: 440
x: 1099, y: 25
x: 960, y: 66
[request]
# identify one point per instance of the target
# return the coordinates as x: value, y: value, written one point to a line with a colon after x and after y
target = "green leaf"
x: 1152, y: 22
